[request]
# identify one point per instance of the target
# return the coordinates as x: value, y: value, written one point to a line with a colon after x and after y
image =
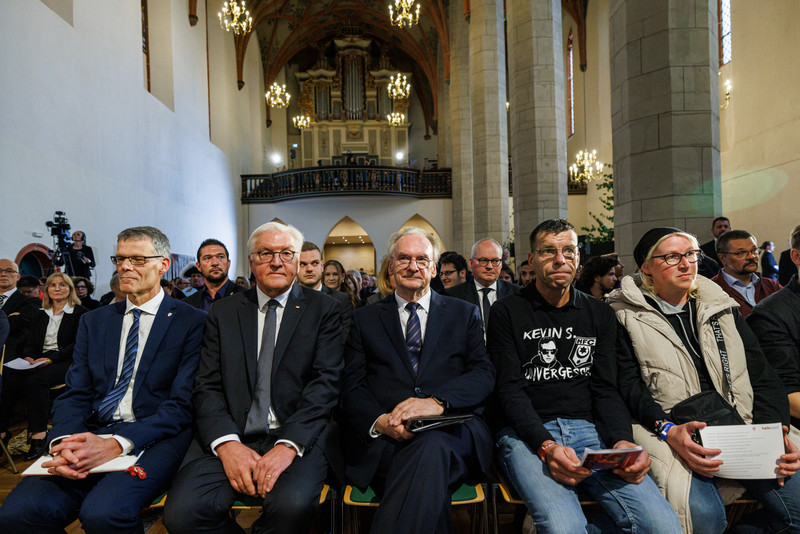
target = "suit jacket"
x: 454, y: 367
x: 346, y: 306
x: 196, y: 299
x: 162, y: 384
x: 306, y: 367
x: 710, y: 250
x: 3, y: 329
x: 764, y: 287
x: 786, y: 268
x: 20, y: 324
x: 67, y: 331
x: 467, y: 291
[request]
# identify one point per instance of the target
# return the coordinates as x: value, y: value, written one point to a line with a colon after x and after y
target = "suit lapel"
x: 475, y: 298
x: 295, y: 307
x: 248, y: 325
x: 113, y: 333
x: 391, y: 322
x: 433, y: 329
x: 164, y: 316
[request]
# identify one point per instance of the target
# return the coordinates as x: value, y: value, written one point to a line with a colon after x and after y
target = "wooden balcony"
x: 345, y: 180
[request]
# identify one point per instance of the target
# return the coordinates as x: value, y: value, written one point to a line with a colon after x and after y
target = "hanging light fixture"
x: 277, y: 97
x: 301, y: 121
x: 396, y: 119
x: 399, y: 88
x: 235, y: 17
x: 400, y: 15
x: 586, y: 167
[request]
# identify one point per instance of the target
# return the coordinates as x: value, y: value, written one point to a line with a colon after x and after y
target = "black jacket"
x: 67, y: 332
x: 196, y: 298
x: 20, y: 325
x: 776, y: 323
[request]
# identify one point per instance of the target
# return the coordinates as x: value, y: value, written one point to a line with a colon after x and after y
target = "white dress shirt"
x: 272, y: 419
x: 51, y: 334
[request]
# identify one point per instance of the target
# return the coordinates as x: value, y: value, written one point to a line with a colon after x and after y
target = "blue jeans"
x: 555, y: 507
x: 781, y: 512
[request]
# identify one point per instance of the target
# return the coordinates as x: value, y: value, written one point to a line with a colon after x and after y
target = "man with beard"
x: 738, y: 252
x: 310, y: 275
x: 598, y: 276
x: 213, y: 264
x: 525, y: 272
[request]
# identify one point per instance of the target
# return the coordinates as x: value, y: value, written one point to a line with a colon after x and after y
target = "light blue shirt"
x: 747, y: 291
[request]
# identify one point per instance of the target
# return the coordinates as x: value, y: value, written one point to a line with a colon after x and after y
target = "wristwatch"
x: 662, y: 428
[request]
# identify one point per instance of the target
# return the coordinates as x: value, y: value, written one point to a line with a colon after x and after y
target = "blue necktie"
x: 413, y: 335
x: 258, y: 416
x: 110, y: 403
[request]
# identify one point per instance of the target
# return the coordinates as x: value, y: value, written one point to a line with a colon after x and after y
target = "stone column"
x: 489, y: 123
x: 442, y: 126
x: 538, y: 136
x: 460, y: 126
x: 664, y: 116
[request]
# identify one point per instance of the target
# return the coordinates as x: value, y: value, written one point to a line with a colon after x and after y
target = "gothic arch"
x: 350, y: 244
x: 34, y: 259
x: 421, y: 222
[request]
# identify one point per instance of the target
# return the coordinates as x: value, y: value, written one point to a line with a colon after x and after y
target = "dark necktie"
x: 109, y: 405
x: 413, y: 335
x: 485, y: 305
x: 258, y: 417
x: 2, y: 300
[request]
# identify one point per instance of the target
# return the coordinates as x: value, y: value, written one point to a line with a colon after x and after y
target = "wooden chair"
x: 473, y: 496
x: 3, y: 445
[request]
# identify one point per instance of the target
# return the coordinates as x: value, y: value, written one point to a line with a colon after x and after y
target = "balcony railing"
x: 346, y: 180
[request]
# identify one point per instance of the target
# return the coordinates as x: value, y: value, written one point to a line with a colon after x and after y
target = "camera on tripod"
x: 62, y: 253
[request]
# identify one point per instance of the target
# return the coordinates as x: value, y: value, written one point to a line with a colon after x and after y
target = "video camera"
x: 59, y: 229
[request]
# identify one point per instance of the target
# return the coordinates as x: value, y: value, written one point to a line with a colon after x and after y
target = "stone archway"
x: 349, y: 243
x: 420, y: 222
x: 34, y: 259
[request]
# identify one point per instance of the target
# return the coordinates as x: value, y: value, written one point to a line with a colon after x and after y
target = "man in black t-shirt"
x: 554, y: 349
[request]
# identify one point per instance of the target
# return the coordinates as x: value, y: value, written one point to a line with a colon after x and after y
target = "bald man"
x: 19, y: 308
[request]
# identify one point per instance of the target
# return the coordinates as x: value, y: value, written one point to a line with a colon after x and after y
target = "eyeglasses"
x: 483, y: 262
x: 548, y: 253
x: 138, y: 261
x: 266, y: 256
x: 674, y: 258
x: 448, y: 273
x: 742, y: 254
x: 8, y: 271
x: 403, y: 262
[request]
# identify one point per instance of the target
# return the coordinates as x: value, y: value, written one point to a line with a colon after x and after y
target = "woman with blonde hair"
x: 684, y: 346
x: 50, y: 344
x: 385, y: 283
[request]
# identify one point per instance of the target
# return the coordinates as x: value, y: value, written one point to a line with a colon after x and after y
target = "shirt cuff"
x: 125, y: 443
x: 219, y: 441
x: 373, y: 433
x: 300, y: 450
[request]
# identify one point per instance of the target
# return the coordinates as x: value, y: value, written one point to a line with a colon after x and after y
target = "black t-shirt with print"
x: 556, y: 363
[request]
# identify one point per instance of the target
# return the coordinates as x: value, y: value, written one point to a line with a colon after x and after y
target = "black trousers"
x: 201, y: 495
x: 416, y: 478
x: 34, y: 388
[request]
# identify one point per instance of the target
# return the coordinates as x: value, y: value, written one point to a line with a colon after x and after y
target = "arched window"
x: 570, y: 88
x: 724, y: 15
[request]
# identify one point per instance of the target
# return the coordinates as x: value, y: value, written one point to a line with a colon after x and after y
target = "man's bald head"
x: 9, y: 274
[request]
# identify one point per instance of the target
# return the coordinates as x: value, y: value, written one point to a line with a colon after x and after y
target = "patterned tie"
x: 258, y: 416
x: 2, y: 300
x: 485, y: 307
x: 413, y: 335
x: 110, y: 403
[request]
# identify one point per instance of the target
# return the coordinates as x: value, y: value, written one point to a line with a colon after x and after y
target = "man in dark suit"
x: 128, y: 391
x: 19, y: 309
x: 485, y: 261
x: 710, y: 264
x: 310, y: 275
x: 267, y: 384
x: 415, y: 353
x: 213, y: 263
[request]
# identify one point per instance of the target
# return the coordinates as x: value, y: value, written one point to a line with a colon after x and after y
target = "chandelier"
x: 399, y: 89
x: 277, y: 97
x: 396, y: 119
x: 403, y: 16
x: 235, y: 17
x: 301, y: 121
x: 586, y: 167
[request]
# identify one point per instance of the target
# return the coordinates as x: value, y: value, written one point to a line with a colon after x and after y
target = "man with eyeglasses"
x: 554, y: 349
x: 19, y: 308
x: 738, y: 251
x: 415, y: 353
x: 266, y: 387
x: 213, y: 264
x: 486, y: 260
x: 452, y: 270
x: 128, y: 392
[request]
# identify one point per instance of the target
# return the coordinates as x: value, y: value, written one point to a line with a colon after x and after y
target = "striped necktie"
x: 109, y: 405
x: 2, y: 300
x: 413, y: 335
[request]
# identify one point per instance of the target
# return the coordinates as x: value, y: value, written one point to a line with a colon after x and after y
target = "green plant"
x: 602, y: 231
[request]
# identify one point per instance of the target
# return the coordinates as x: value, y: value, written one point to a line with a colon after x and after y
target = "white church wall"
x: 80, y: 133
